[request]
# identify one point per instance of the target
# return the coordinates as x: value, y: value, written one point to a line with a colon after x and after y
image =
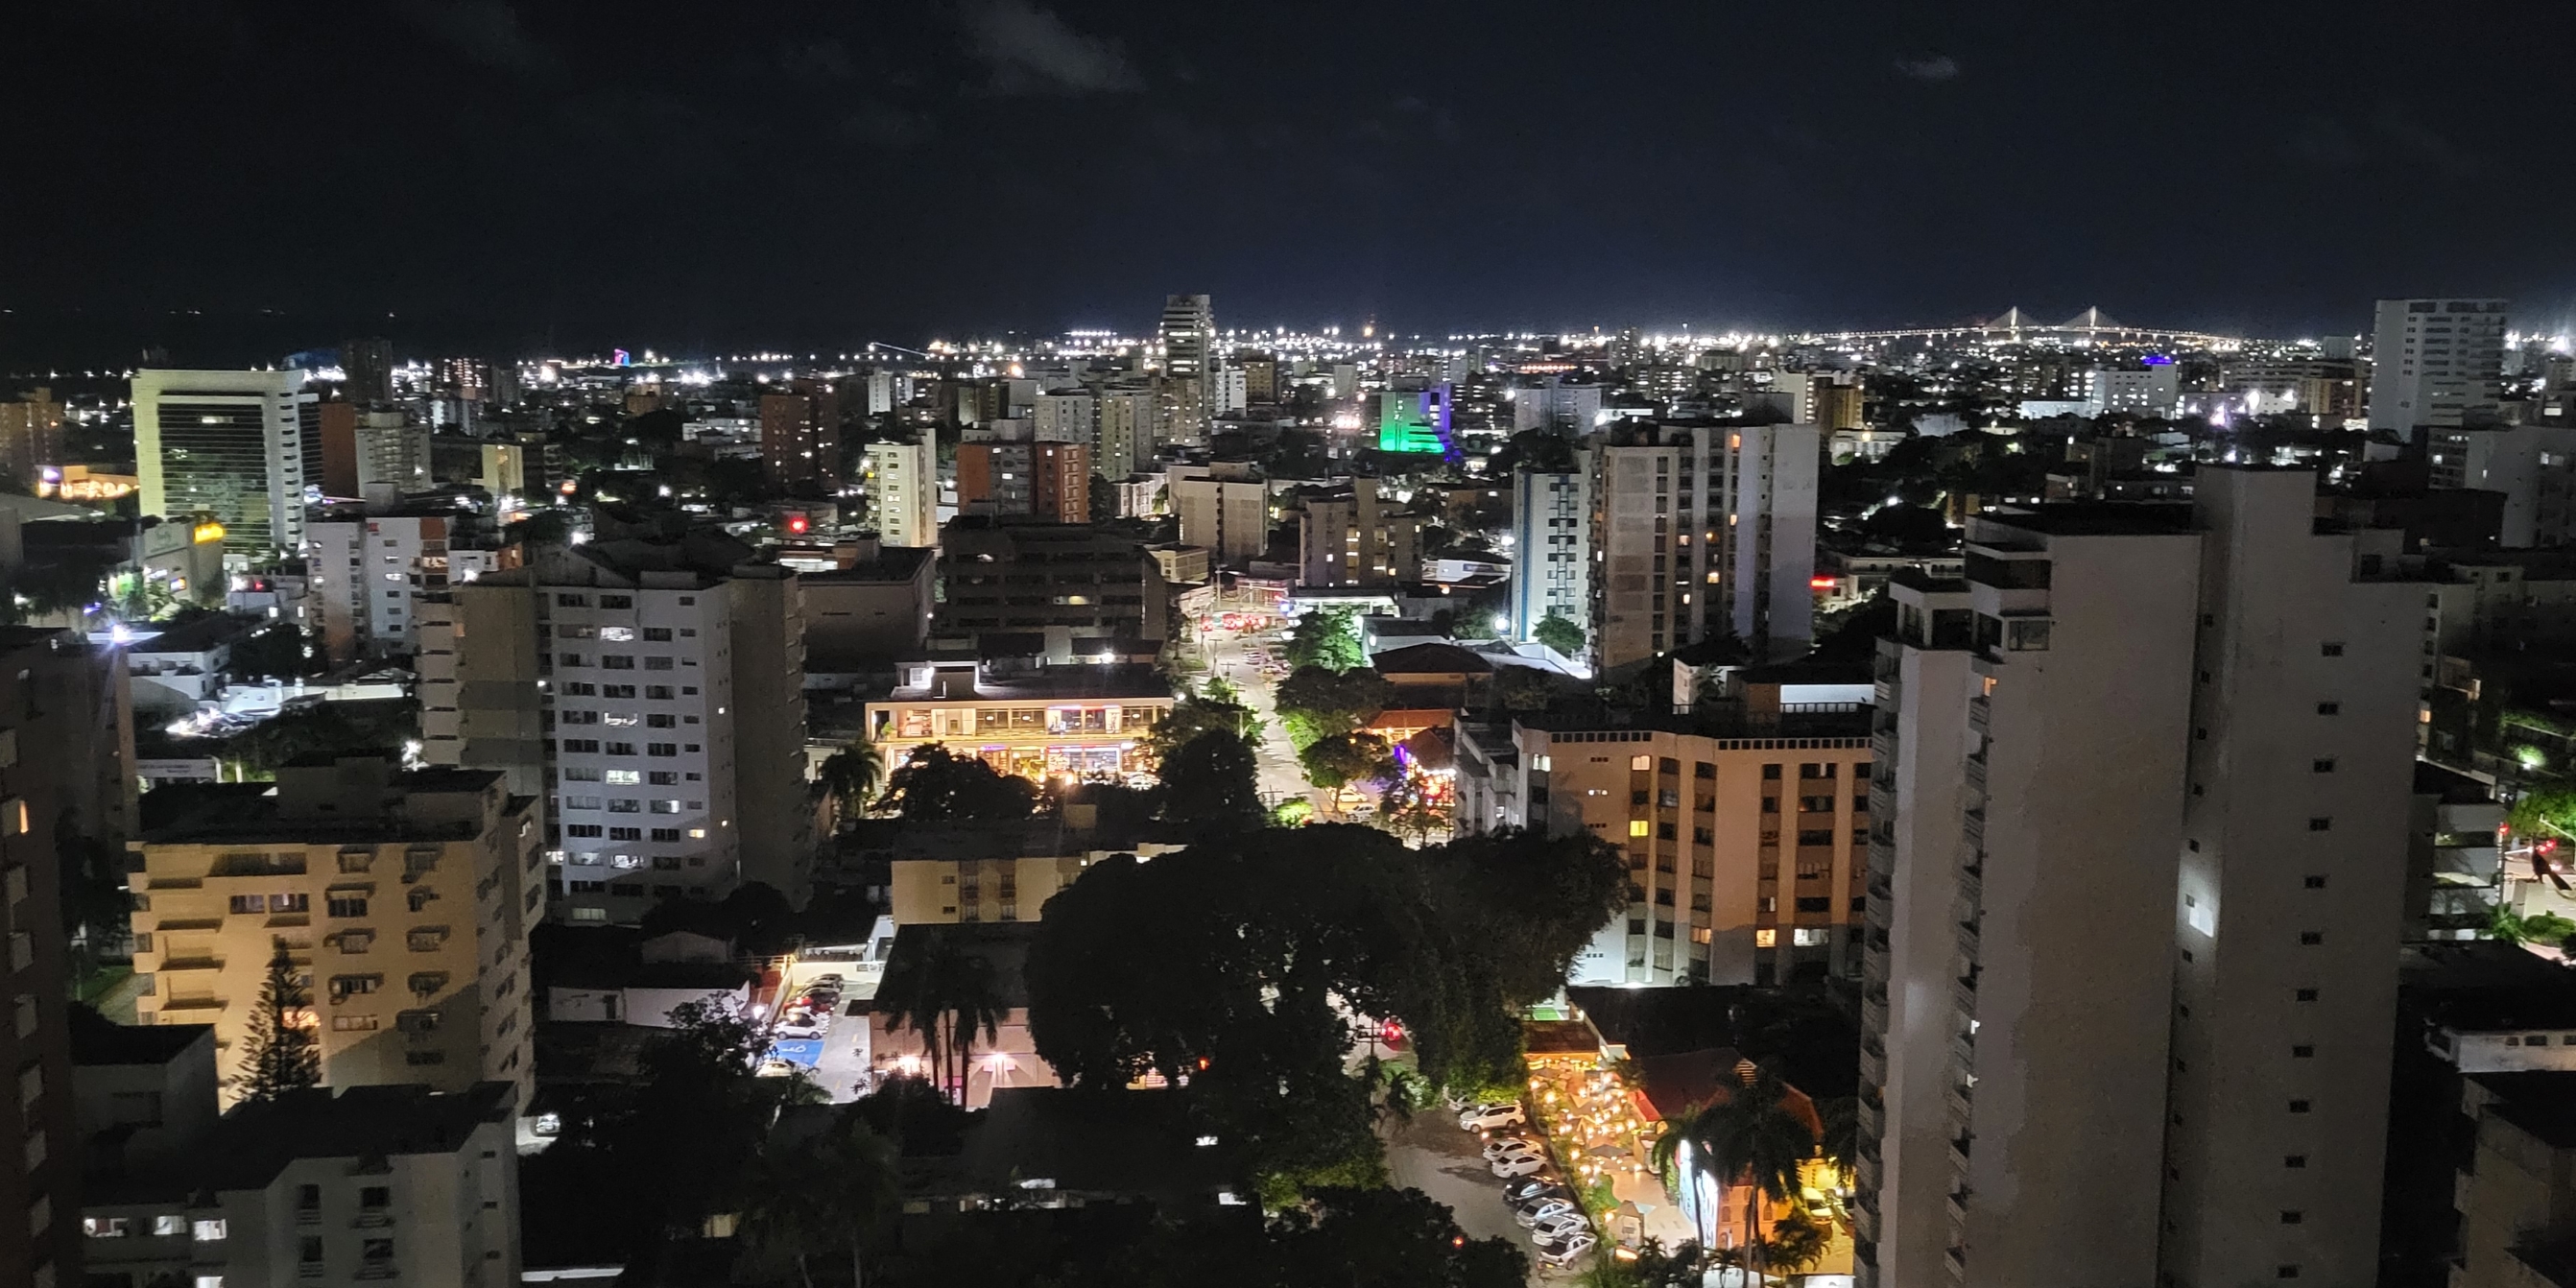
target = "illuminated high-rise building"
x: 1702, y: 530
x: 234, y: 444
x: 800, y: 435
x: 31, y: 435
x: 2436, y: 363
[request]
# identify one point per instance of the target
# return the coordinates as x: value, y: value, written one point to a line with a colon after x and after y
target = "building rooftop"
x: 2488, y: 986
x: 1088, y: 680
x: 1434, y: 658
x: 1141, y: 1144
x: 2091, y: 519
x: 2452, y: 786
x: 2541, y: 1103
x: 1004, y: 945
x: 1705, y: 719
x: 255, y: 1142
x: 98, y: 1041
x: 205, y: 813
x: 891, y: 564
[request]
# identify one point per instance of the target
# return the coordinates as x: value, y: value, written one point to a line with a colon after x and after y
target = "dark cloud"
x: 1029, y: 50
x: 485, y: 31
x: 1929, y: 67
x: 2322, y: 141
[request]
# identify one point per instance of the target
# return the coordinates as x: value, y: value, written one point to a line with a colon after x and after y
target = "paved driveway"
x: 1430, y: 1154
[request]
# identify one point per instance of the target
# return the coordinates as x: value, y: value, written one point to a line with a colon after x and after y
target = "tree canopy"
x: 1243, y: 966
x: 1216, y: 706
x: 1561, y: 633
x: 937, y: 784
x: 1212, y: 782
x: 1315, y: 702
x: 1346, y: 758
x: 1327, y: 638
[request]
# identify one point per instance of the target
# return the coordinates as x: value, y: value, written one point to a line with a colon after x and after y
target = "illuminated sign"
x: 1820, y: 583
x: 797, y: 524
x: 206, y: 532
x: 620, y: 358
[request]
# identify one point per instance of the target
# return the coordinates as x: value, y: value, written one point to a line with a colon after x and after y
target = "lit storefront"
x: 1031, y: 726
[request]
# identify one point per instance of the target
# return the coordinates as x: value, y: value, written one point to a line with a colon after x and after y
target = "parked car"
x: 1520, y: 1165
x: 1511, y: 1145
x: 796, y: 1030
x: 1488, y: 1117
x: 1559, y: 1228
x: 1540, y: 1209
x: 777, y: 1068
x: 1559, y: 1254
x: 1534, y: 1187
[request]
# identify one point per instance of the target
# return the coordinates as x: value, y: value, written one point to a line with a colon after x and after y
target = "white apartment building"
x: 2147, y: 391
x: 241, y: 445
x: 398, y: 1185
x: 369, y: 573
x: 1228, y: 391
x: 666, y: 682
x: 2534, y: 466
x: 1551, y: 548
x: 1567, y: 409
x: 1350, y: 535
x: 2135, y: 893
x: 2436, y: 362
x: 1701, y: 529
x: 903, y: 485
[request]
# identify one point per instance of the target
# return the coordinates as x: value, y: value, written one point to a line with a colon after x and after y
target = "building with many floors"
x: 238, y: 445
x: 403, y: 901
x: 903, y: 487
x: 1742, y: 820
x: 2437, y: 363
x: 1352, y: 534
x: 653, y: 691
x: 2135, y: 888
x: 1700, y: 531
x: 1084, y: 720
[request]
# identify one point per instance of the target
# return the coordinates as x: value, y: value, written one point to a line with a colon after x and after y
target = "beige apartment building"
x: 1745, y: 825
x: 404, y: 900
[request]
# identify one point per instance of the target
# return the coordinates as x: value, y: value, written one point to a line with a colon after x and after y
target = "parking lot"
x: 1432, y: 1155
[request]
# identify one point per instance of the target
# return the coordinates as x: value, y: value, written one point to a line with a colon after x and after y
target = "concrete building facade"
x: 404, y: 901
x: 232, y: 444
x: 2436, y: 363
x: 903, y: 484
x: 1701, y: 530
x: 1551, y: 549
x: 1352, y: 535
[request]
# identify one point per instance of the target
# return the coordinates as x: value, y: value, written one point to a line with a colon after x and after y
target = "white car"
x: 1488, y: 1117
x: 1559, y: 1228
x: 792, y: 1031
x: 1520, y: 1165
x: 1510, y: 1145
x: 1533, y: 1213
x: 1564, y: 1253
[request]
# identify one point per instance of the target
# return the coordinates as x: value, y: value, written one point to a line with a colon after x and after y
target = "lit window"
x: 1637, y: 827
x: 209, y: 1231
x: 1766, y: 938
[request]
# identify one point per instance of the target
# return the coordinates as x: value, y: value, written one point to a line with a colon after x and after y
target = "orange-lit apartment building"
x: 1049, y: 480
x: 1744, y: 821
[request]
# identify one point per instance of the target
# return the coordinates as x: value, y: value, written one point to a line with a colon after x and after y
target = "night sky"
x: 710, y: 177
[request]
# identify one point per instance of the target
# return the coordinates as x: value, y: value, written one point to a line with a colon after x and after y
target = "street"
x: 1227, y: 658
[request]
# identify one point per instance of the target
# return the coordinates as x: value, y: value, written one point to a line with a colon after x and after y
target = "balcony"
x: 191, y: 963
x: 1981, y: 713
x: 1972, y: 828
x: 372, y: 1221
x: 1974, y: 770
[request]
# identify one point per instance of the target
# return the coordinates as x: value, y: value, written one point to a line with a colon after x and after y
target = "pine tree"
x: 281, y: 1053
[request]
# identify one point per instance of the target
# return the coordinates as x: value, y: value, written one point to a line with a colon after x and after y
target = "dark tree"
x: 279, y: 1054
x: 1212, y: 783
x: 1218, y: 706
x: 937, y: 784
x: 1326, y: 638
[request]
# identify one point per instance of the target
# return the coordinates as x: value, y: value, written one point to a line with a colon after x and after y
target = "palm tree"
x: 1797, y: 1241
x: 854, y: 774
x: 1752, y: 1139
x: 947, y: 998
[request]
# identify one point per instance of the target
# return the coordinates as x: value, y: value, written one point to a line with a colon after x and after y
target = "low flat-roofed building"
x: 1083, y: 720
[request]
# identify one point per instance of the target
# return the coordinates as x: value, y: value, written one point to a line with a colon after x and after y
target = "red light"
x: 797, y: 524
x: 1820, y: 583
